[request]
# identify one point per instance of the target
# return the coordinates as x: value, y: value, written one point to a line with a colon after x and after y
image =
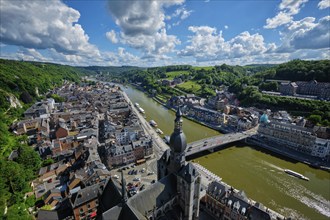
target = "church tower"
x: 187, y: 177
x: 174, y: 159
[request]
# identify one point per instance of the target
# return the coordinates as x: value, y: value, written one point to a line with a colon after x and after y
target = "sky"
x: 157, y: 33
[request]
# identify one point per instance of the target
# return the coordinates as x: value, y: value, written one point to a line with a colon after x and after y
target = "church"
x: 176, y: 194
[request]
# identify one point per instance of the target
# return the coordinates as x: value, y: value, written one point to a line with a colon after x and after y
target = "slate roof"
x: 86, y: 194
x: 144, y: 202
x: 47, y: 215
x: 217, y: 190
x: 111, y: 195
x: 256, y: 214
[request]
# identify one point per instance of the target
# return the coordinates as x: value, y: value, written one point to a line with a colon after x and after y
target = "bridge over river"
x: 216, y: 141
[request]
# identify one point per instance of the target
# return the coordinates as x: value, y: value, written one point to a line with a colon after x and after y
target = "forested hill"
x: 25, y: 79
x: 299, y: 70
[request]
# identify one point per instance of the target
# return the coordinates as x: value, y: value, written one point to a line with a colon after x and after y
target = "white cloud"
x: 181, y: 14
x: 205, y: 43
x: 142, y: 25
x: 315, y: 36
x: 323, y: 4
x: 306, y: 34
x: 280, y: 19
x: 246, y: 44
x: 292, y: 6
x: 44, y: 24
x: 111, y: 35
x: 30, y: 55
x: 208, y: 44
x: 121, y: 57
x: 288, y: 8
x: 156, y: 44
x: 226, y: 27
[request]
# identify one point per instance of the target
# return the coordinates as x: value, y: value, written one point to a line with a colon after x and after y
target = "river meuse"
x: 256, y: 171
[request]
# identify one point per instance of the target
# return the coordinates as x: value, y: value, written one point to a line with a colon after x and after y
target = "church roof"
x: 153, y: 196
x: 111, y: 195
x: 178, y: 113
x: 178, y: 142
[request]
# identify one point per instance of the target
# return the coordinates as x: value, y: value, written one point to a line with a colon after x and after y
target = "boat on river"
x: 141, y: 110
x: 153, y: 123
x: 159, y: 131
x: 136, y: 104
x: 293, y: 173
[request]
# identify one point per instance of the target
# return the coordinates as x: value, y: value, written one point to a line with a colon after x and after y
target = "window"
x: 81, y: 210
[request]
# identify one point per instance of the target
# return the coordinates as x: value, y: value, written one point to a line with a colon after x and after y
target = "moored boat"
x: 293, y: 173
x: 137, y: 104
x: 159, y: 131
x: 141, y: 110
x: 153, y: 123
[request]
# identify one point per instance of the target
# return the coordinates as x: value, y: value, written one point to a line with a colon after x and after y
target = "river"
x: 256, y: 171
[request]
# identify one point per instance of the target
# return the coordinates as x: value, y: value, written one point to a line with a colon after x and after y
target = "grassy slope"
x: 171, y: 75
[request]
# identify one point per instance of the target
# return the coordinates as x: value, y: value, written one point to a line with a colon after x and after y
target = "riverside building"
x: 296, y: 137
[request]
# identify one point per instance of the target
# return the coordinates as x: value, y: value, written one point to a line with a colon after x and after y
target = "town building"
x: 320, y: 90
x: 288, y: 88
x: 280, y: 131
x: 223, y: 202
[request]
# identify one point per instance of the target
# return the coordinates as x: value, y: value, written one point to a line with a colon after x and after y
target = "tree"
x: 57, y: 98
x: 28, y: 158
x: 315, y: 119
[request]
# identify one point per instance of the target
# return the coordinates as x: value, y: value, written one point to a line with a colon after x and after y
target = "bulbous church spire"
x: 178, y: 141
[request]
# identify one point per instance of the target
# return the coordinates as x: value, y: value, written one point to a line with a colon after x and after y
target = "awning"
x: 93, y: 214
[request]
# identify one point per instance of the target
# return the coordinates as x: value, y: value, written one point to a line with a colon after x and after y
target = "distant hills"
x: 26, y: 80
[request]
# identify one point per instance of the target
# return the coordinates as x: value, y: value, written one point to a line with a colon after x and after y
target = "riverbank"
x: 219, y: 128
x: 292, y: 154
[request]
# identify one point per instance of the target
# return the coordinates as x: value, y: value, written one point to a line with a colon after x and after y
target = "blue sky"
x: 155, y: 33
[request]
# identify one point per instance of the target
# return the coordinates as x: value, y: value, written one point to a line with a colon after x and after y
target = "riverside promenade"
x: 160, y: 145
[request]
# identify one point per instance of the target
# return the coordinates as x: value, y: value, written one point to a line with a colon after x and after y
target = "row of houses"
x: 230, y: 116
x: 283, y: 131
x: 223, y: 202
